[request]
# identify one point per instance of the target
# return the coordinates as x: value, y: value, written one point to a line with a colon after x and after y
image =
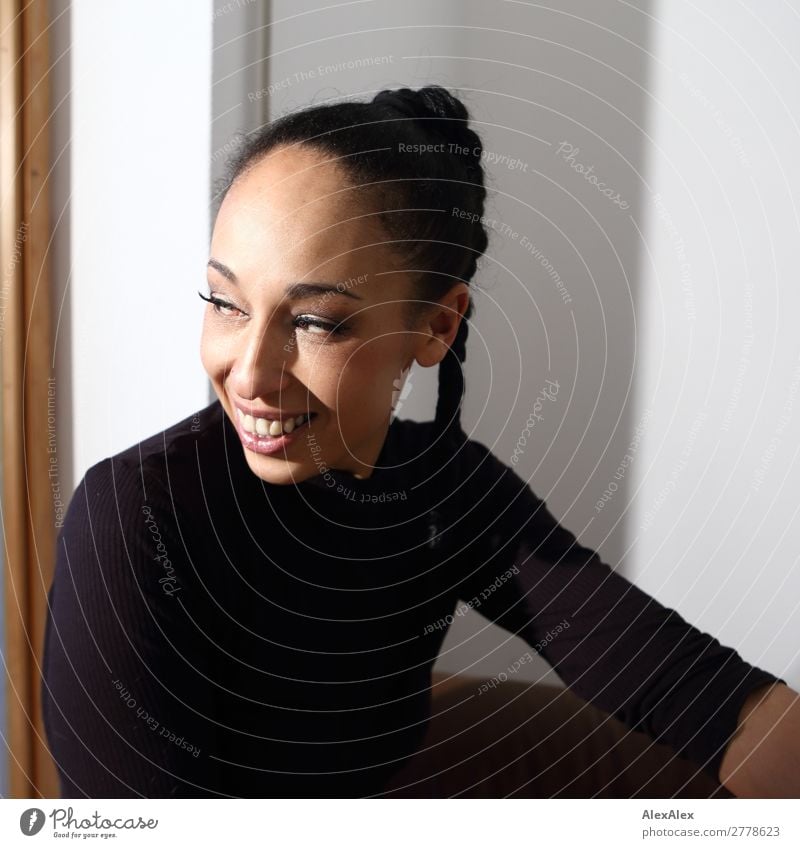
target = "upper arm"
x: 126, y: 698
x: 609, y: 641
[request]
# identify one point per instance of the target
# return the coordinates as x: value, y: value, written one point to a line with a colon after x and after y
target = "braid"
x: 449, y: 117
x: 451, y: 383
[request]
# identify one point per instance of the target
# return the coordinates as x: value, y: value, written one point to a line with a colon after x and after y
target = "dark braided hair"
x: 430, y: 203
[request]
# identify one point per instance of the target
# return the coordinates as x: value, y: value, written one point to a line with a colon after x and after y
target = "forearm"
x: 763, y: 758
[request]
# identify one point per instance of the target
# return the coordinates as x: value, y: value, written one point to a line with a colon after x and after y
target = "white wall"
x: 141, y: 118
x: 714, y: 526
x: 239, y: 65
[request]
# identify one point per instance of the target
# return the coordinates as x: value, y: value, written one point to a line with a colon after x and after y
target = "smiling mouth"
x: 263, y: 428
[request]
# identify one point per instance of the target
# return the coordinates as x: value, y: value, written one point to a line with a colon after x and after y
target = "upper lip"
x: 271, y: 414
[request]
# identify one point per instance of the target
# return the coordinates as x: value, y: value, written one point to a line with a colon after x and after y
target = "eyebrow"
x: 295, y: 291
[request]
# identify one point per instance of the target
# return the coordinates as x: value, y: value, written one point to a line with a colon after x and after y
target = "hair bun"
x: 439, y: 110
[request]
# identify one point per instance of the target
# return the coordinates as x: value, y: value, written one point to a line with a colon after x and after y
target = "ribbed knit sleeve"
x: 125, y: 689
x: 610, y: 642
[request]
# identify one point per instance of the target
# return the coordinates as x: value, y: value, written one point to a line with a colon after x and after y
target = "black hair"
x: 412, y: 155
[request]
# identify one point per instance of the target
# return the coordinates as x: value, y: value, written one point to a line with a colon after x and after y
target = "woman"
x: 250, y: 603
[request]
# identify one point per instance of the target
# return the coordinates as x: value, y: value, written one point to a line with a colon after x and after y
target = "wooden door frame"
x: 29, y: 510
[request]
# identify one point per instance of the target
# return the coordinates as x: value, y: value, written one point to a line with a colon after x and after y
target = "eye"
x: 304, y: 322
x: 220, y: 304
x: 326, y: 327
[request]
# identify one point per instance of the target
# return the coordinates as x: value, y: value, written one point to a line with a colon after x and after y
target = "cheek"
x: 365, y: 384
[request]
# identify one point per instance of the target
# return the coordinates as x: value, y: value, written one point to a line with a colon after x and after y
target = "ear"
x: 438, y: 328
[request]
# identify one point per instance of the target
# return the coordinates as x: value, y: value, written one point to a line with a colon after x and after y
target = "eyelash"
x: 299, y: 321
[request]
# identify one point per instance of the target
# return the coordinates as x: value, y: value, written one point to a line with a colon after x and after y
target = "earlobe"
x: 432, y: 352
x: 438, y: 342
x: 442, y: 326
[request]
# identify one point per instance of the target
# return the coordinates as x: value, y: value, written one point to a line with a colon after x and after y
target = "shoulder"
x: 124, y: 531
x: 156, y: 463
x: 146, y: 478
x: 173, y: 448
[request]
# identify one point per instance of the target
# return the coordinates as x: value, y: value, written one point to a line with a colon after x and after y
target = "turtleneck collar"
x: 386, y: 476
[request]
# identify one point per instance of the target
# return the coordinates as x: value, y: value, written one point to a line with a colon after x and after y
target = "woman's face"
x: 313, y: 320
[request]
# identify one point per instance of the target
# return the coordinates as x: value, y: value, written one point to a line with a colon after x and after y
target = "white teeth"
x: 265, y: 427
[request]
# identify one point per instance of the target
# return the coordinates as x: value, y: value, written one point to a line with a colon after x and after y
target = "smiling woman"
x: 314, y: 543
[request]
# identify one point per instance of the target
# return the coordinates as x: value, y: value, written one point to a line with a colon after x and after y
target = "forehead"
x: 295, y: 216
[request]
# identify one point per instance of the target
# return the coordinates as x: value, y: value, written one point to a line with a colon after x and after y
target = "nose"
x: 259, y: 366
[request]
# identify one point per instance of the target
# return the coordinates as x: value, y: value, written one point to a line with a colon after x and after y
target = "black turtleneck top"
x: 211, y: 634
